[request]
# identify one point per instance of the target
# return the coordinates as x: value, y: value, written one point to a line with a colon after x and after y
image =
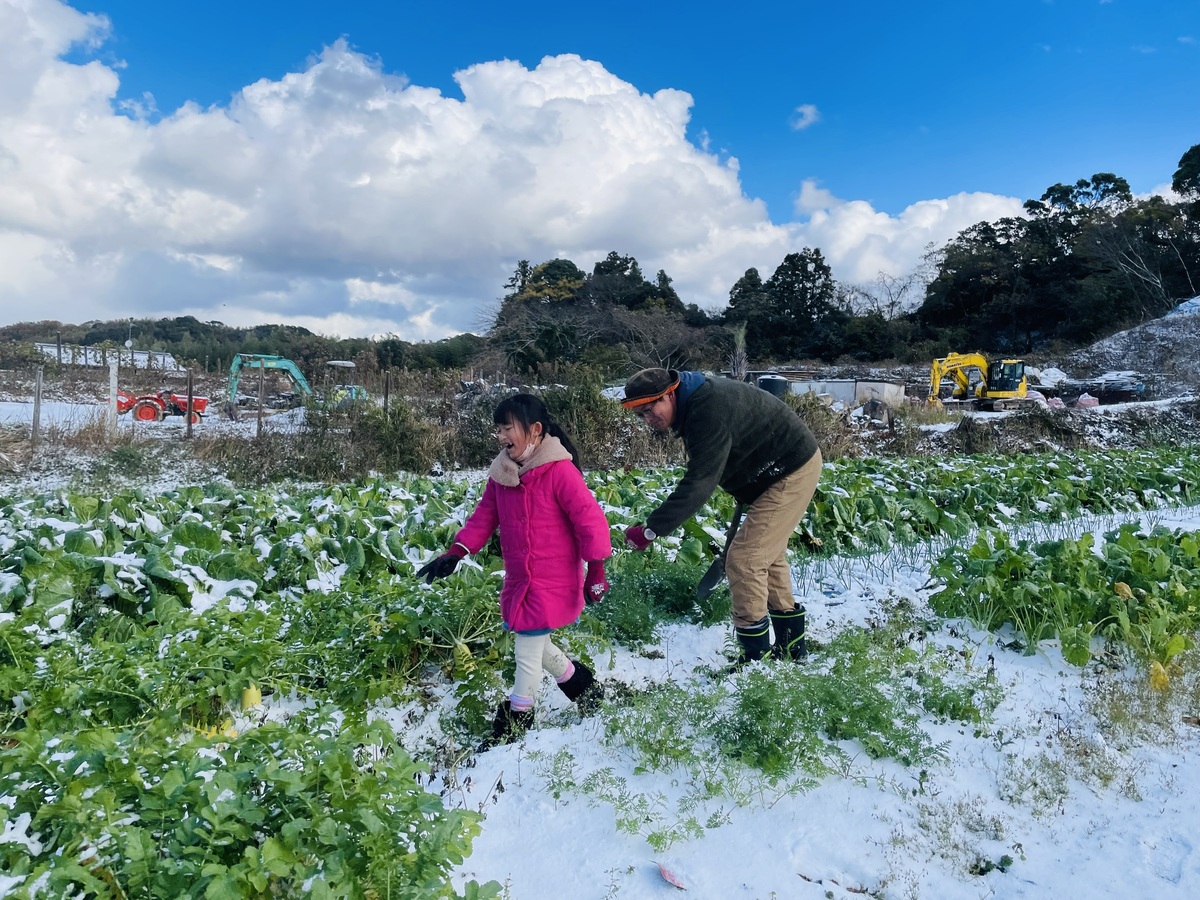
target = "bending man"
x: 752, y: 444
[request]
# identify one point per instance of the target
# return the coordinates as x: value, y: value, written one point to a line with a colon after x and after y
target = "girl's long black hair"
x: 525, y: 409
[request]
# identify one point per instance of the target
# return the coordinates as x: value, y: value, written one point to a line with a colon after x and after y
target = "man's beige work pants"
x: 757, y: 565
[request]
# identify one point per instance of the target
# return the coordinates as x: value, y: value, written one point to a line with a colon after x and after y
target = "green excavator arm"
x: 281, y: 364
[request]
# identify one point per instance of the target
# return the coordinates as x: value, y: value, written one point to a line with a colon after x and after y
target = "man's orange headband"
x: 644, y: 401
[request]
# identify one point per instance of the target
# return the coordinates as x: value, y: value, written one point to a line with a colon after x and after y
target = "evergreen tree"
x: 804, y: 319
x: 750, y: 306
x: 1186, y: 181
x: 520, y: 277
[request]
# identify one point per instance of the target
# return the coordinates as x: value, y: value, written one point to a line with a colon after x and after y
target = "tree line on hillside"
x: 210, y: 346
x: 1087, y: 259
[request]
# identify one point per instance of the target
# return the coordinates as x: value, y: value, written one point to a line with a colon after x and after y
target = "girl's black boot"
x: 583, y: 689
x: 509, y: 725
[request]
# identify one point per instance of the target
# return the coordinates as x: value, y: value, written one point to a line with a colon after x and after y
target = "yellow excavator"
x: 978, y: 382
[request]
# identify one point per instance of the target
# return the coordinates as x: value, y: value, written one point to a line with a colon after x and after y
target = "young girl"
x: 549, y: 524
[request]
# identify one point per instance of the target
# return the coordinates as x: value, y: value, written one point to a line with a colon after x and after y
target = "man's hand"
x: 443, y: 565
x: 638, y: 537
x: 595, y: 584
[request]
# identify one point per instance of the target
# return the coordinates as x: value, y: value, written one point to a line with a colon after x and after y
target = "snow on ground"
x: 1084, y: 809
x: 60, y: 464
x: 53, y: 414
x: 1186, y: 308
x: 72, y: 416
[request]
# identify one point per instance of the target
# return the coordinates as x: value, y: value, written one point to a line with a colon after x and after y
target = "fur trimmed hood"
x: 506, y: 472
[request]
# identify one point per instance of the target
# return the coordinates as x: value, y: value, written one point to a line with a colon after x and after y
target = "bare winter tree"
x: 1141, y: 246
x: 892, y: 296
x: 656, y: 340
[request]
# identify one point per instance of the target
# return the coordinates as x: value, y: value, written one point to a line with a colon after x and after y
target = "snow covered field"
x: 1065, y: 801
x: 1078, y: 785
x: 54, y: 414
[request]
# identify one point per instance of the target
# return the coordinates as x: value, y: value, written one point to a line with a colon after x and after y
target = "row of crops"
x: 134, y: 628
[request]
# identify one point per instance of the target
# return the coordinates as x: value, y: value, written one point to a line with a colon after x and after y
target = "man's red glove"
x: 638, y: 537
x: 443, y: 565
x: 595, y: 584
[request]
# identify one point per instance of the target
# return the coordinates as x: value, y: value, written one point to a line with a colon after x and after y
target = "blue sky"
x: 867, y: 129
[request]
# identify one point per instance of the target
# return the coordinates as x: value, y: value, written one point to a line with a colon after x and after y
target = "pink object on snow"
x: 669, y: 876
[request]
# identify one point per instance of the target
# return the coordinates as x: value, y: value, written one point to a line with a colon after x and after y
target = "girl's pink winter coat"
x: 549, y: 525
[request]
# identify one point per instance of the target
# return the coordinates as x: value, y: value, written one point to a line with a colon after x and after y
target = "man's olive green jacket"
x: 738, y: 437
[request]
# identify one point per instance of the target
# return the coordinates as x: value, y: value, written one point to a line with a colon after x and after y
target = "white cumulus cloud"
x: 859, y: 242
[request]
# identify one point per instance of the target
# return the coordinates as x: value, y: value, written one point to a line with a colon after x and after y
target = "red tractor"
x: 155, y: 407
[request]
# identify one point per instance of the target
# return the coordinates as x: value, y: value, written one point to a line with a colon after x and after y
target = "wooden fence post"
x: 262, y: 387
x: 112, y: 399
x: 37, y: 409
x: 187, y: 432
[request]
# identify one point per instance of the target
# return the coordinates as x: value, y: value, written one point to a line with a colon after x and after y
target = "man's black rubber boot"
x: 789, y: 635
x: 755, y: 640
x: 508, y: 726
x: 583, y: 689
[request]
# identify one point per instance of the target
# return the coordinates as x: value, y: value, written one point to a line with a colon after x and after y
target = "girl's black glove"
x: 441, y: 566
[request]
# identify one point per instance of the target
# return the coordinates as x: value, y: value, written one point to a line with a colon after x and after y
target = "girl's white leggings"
x: 535, y: 652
